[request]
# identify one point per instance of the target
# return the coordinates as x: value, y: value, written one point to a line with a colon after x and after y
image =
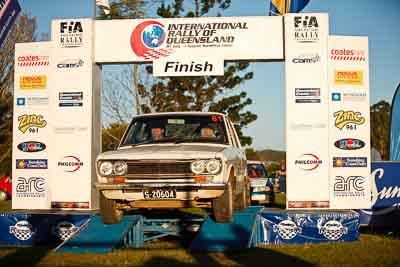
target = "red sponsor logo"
x: 348, y: 54
x: 32, y: 61
x: 70, y: 164
x: 308, y: 162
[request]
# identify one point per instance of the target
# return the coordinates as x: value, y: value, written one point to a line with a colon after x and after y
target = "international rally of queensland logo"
x: 332, y: 230
x: 287, y: 229
x: 147, y: 39
x: 64, y: 230
x: 22, y: 230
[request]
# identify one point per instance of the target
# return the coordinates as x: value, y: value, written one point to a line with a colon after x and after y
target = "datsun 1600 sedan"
x: 175, y: 160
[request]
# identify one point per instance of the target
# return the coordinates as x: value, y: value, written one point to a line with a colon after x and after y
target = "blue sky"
x: 379, y: 20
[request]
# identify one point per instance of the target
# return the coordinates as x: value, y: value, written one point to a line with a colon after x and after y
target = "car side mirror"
x: 112, y: 146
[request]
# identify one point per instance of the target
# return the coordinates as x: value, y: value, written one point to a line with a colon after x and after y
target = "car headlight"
x: 198, y: 166
x: 213, y: 166
x: 120, y: 168
x: 106, y: 168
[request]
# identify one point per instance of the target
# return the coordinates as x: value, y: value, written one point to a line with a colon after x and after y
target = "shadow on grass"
x: 249, y: 257
x: 26, y: 256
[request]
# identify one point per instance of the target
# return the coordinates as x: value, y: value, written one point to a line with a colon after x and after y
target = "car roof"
x: 255, y: 162
x: 193, y: 113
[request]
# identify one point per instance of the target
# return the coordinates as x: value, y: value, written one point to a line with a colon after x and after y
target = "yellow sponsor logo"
x: 353, y: 77
x: 31, y: 122
x: 33, y: 82
x: 343, y: 118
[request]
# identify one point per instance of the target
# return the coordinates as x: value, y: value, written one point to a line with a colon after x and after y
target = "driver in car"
x: 157, y: 133
x: 207, y: 132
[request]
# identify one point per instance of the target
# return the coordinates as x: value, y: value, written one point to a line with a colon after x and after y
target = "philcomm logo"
x: 307, y: 58
x: 31, y: 146
x: 348, y: 77
x: 350, y: 162
x: 70, y: 64
x: 31, y: 122
x: 32, y: 61
x: 33, y: 82
x: 71, y: 34
x: 308, y: 162
x: 349, y: 119
x: 306, y: 29
x: 348, y: 54
x: 33, y: 164
x: 349, y: 144
x: 30, y: 187
x: 351, y: 186
x: 70, y: 164
x: 147, y: 39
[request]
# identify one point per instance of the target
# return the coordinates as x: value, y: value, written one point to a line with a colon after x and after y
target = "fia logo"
x: 306, y: 22
x: 71, y: 27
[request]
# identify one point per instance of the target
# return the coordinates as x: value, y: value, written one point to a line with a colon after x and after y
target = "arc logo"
x: 308, y: 162
x: 70, y: 164
x: 351, y: 186
x: 349, y: 144
x: 349, y: 118
x: 31, y: 146
x: 31, y: 187
x: 31, y: 122
x: 147, y: 39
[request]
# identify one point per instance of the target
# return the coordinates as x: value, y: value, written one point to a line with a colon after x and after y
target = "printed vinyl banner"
x: 9, y: 10
x: 349, y: 122
x: 229, y: 38
x: 31, y: 131
x: 306, y: 37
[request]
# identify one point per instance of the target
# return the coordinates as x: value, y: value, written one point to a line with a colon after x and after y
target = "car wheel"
x: 223, y: 206
x: 243, y: 199
x: 108, y: 210
x: 3, y: 195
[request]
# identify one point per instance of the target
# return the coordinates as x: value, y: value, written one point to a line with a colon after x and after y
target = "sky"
x: 379, y: 20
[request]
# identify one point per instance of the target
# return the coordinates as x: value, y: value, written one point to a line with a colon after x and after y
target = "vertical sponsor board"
x: 349, y: 122
x: 306, y: 37
x: 31, y: 122
x: 72, y: 108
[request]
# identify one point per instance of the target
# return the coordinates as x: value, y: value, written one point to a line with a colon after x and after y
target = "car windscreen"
x: 176, y: 129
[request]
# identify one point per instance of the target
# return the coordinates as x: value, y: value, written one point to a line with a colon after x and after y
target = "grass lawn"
x: 370, y: 251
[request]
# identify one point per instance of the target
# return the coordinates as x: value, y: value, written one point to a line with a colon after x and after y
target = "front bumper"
x: 184, y: 191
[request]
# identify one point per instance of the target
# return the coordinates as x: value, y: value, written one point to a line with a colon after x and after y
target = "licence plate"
x: 159, y: 194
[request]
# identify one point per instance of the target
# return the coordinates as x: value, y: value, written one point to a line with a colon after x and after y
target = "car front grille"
x: 159, y: 169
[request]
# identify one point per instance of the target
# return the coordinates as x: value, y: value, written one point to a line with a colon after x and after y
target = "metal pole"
x: 94, y: 9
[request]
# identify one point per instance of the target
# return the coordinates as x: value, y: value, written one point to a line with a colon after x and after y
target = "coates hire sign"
x: 231, y: 38
x: 9, y: 10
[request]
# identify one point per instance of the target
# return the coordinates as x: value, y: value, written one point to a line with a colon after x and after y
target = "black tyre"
x: 3, y: 195
x: 243, y: 199
x: 108, y: 210
x: 223, y: 206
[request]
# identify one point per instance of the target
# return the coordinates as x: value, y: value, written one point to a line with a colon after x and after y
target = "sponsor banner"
x: 349, y: 122
x: 307, y: 227
x: 307, y: 95
x: 70, y: 99
x: 71, y: 63
x: 31, y: 146
x: 33, y: 164
x: 307, y: 157
x: 33, y: 82
x: 348, y: 77
x: 231, y: 38
x: 32, y: 101
x: 9, y: 10
x: 31, y: 122
x: 350, y: 162
x: 71, y: 34
x: 70, y: 164
x: 188, y: 67
x: 349, y: 144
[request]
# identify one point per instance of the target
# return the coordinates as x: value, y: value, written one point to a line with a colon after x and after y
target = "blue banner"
x: 395, y: 127
x: 385, y: 195
x: 9, y: 10
x: 287, y: 227
x: 29, y: 229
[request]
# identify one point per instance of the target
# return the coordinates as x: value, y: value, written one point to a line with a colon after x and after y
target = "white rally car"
x: 175, y: 160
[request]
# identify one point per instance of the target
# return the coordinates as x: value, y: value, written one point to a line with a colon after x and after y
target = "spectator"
x: 282, y: 176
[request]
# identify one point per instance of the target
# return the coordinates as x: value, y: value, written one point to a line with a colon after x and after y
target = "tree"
x: 23, y: 31
x: 380, y: 127
x: 205, y: 93
x: 112, y: 135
